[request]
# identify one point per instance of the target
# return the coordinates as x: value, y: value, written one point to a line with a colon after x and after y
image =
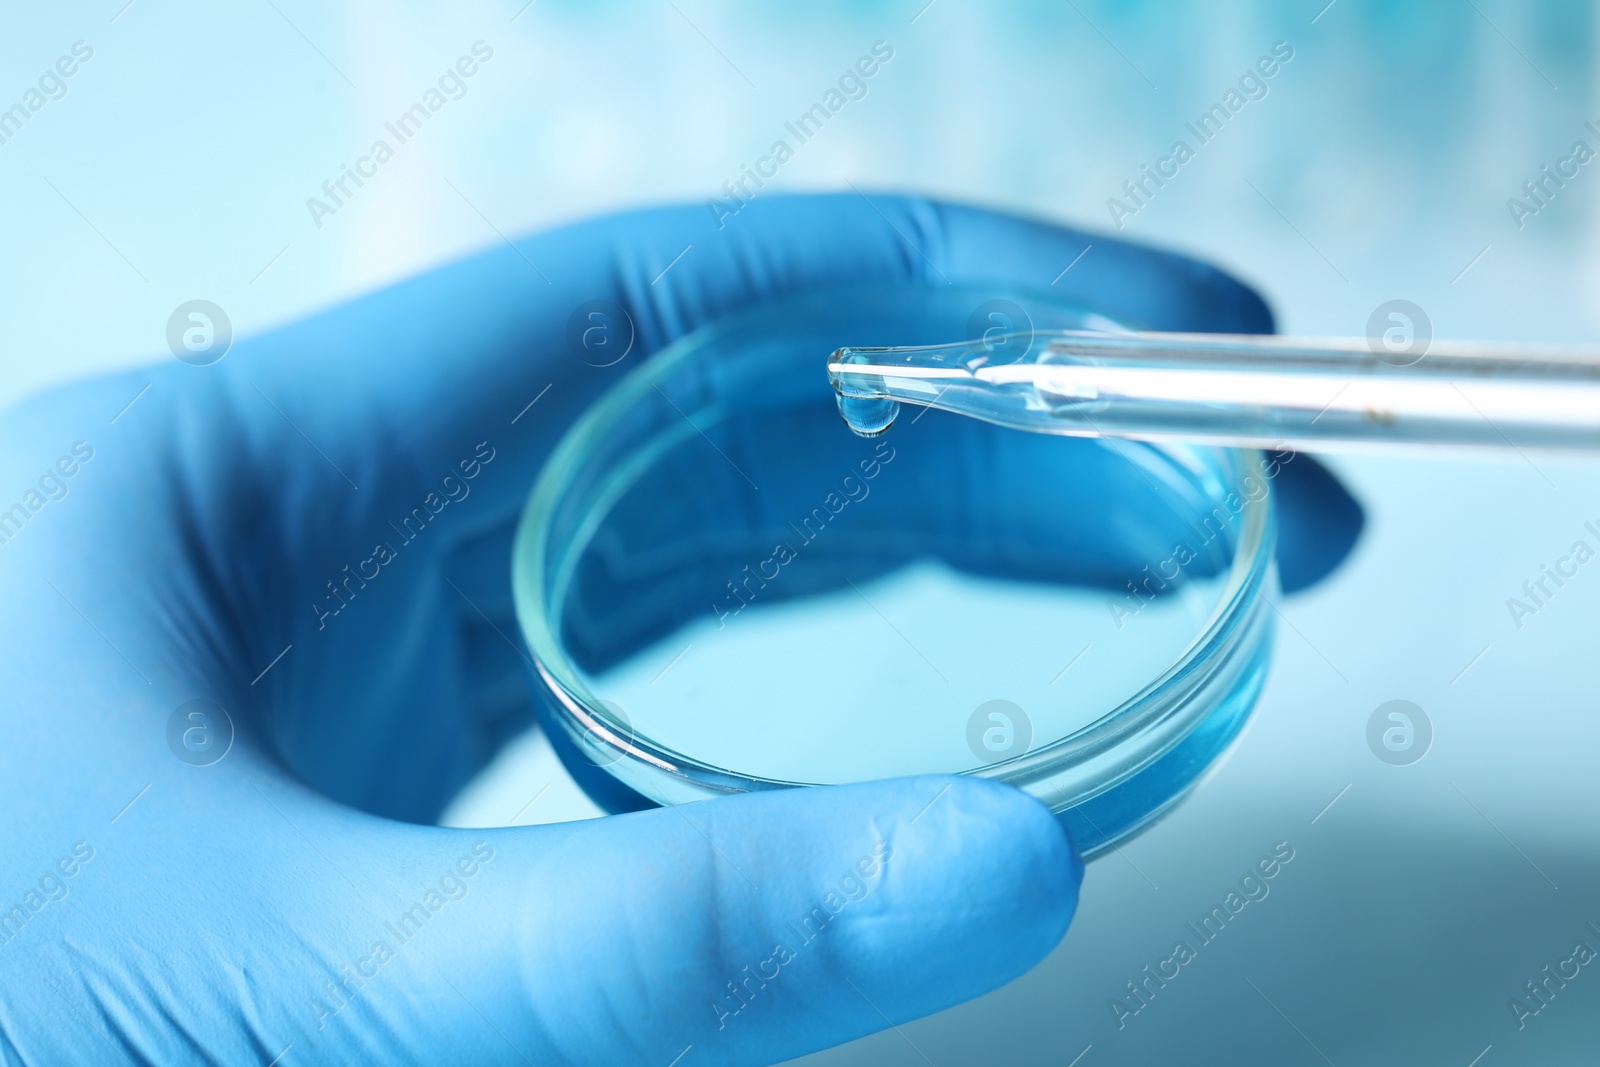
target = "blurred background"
x: 175, y: 163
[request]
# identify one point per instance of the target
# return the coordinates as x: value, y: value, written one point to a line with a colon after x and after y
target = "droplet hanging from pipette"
x: 868, y: 416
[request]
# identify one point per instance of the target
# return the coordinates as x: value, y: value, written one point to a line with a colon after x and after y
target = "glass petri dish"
x: 725, y: 590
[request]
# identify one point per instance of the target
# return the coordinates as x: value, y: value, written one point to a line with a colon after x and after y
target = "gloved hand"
x: 221, y: 753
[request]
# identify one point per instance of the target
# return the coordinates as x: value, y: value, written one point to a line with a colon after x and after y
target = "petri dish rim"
x: 1078, y: 766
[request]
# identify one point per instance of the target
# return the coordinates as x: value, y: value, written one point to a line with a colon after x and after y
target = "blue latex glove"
x: 288, y: 900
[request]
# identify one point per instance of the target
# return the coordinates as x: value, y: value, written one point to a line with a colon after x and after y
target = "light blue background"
x: 179, y: 163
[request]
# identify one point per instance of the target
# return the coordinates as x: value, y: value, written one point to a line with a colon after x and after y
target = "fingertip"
x: 1319, y: 522
x: 999, y: 850
x: 979, y: 884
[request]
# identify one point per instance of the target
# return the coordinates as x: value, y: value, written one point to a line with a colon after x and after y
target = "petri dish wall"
x: 725, y: 589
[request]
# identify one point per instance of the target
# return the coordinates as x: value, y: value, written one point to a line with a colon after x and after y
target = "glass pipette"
x: 1235, y: 389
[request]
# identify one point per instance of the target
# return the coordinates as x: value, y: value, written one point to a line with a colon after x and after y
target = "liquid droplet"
x: 868, y: 416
